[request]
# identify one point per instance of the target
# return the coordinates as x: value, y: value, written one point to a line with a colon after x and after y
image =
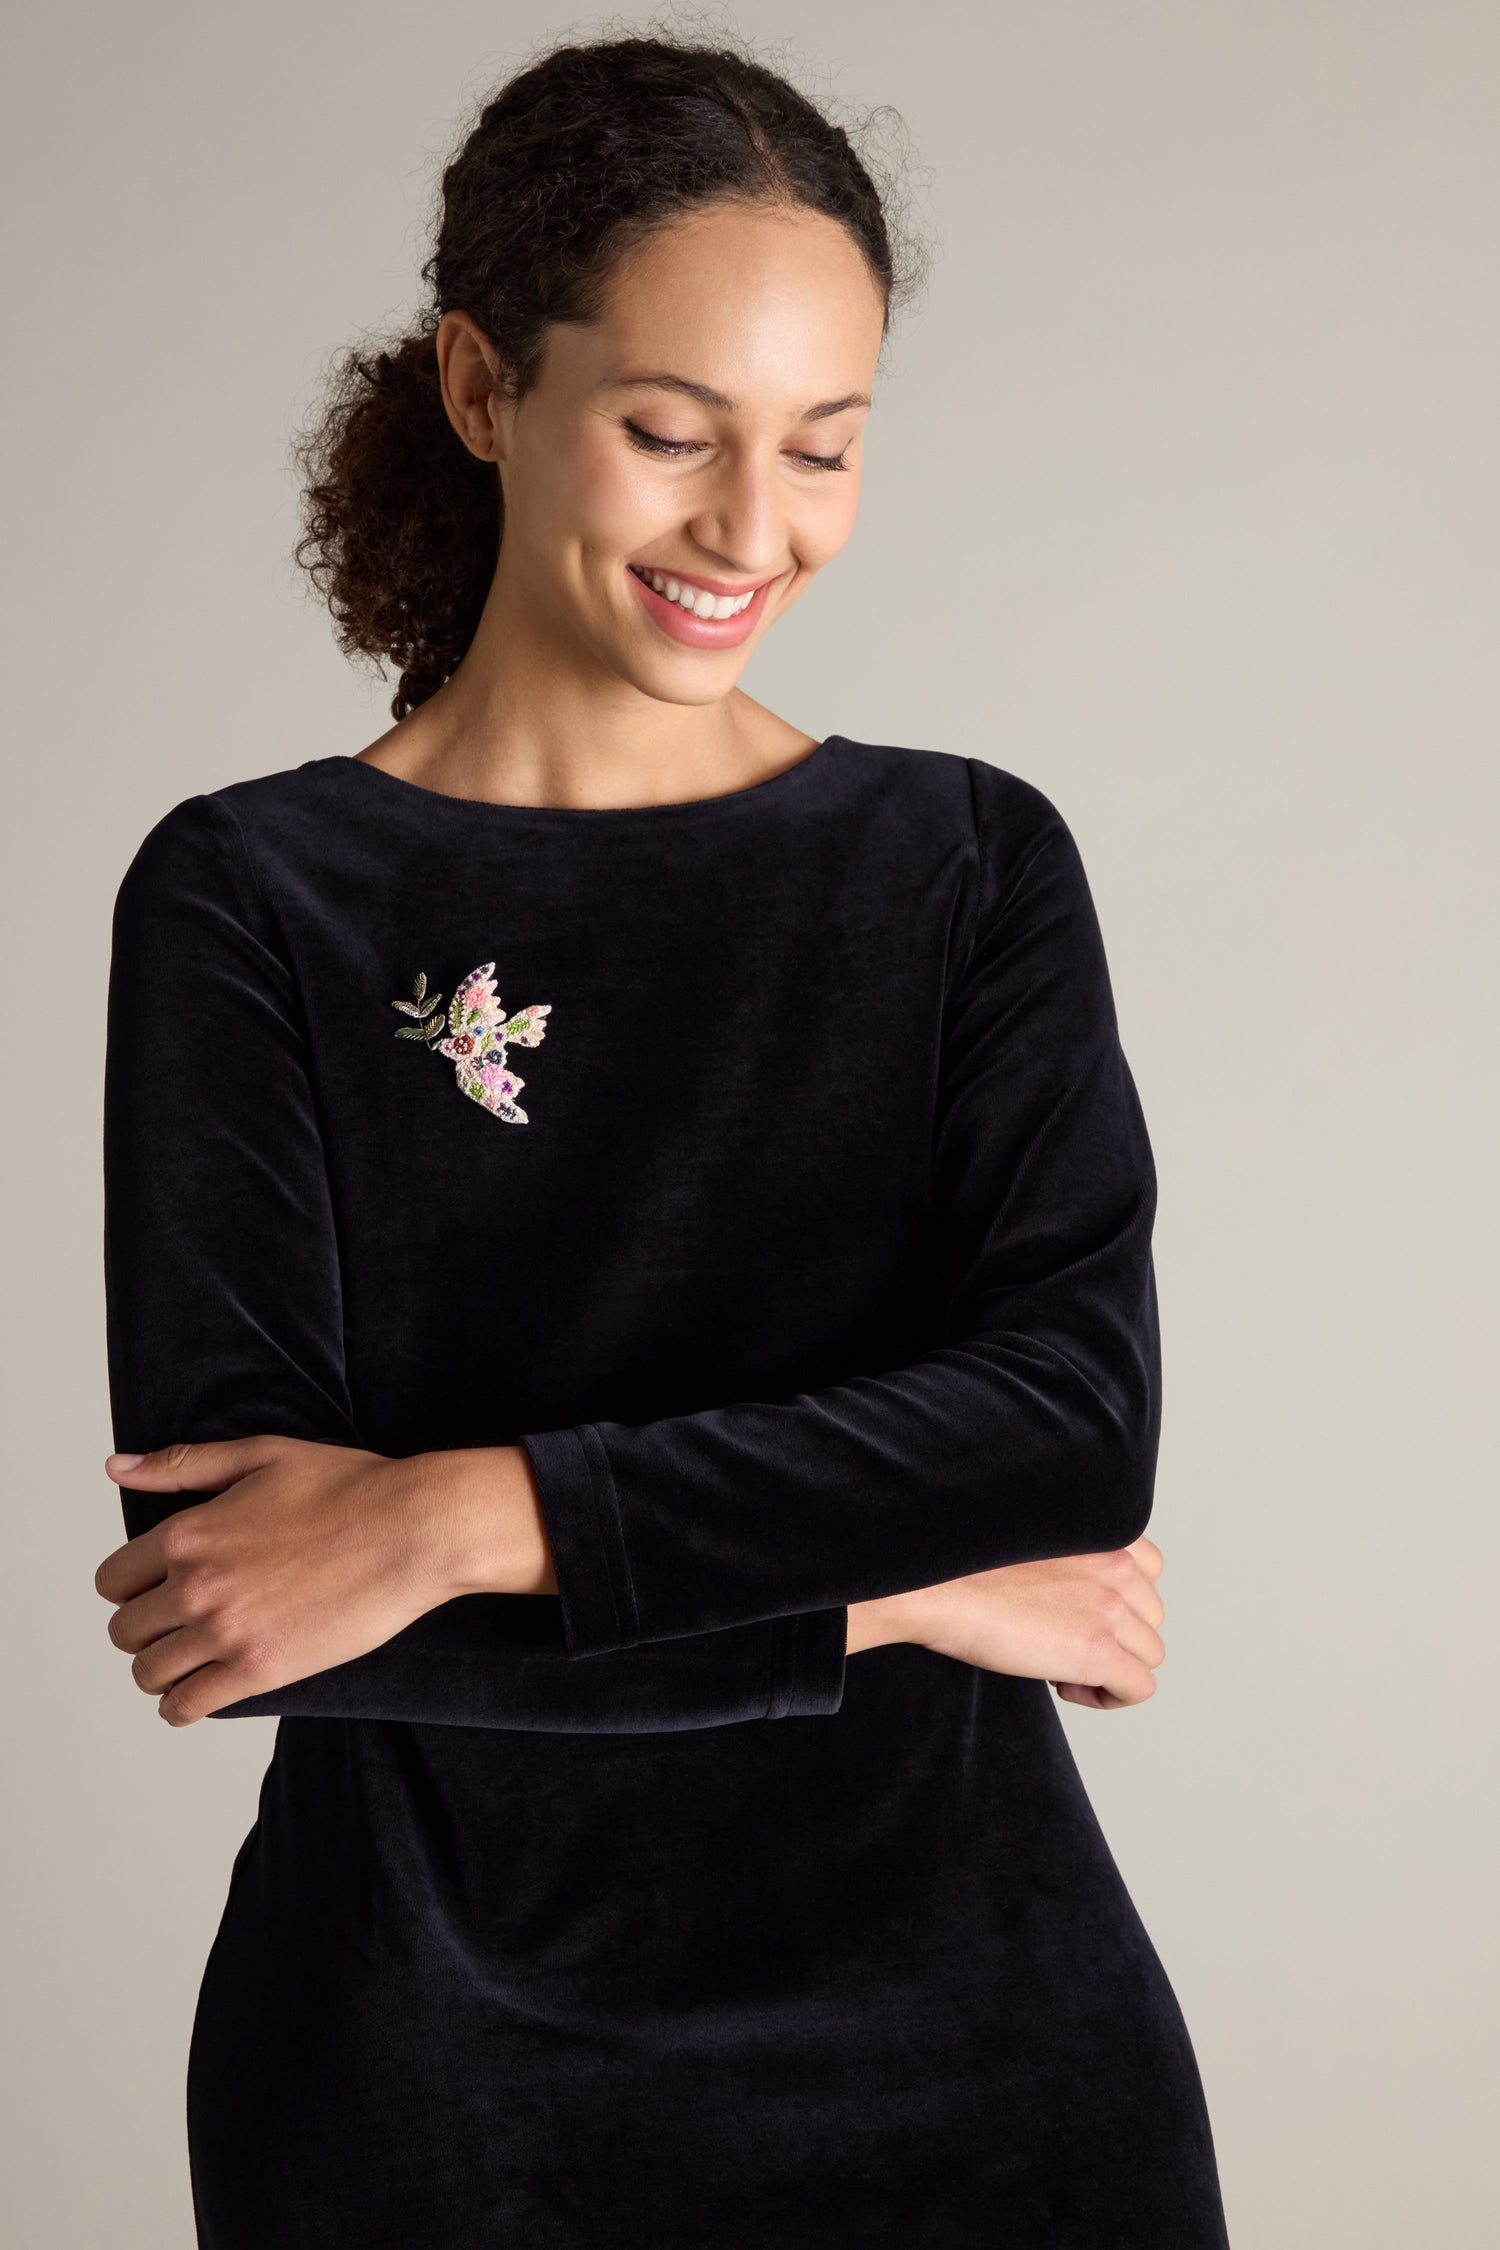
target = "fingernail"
x: 125, y: 1460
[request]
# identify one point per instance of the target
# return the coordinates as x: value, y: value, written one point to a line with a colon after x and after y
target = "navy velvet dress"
x: 768, y: 1165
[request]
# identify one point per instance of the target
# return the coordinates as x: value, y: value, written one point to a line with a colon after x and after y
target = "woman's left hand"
x: 306, y: 1556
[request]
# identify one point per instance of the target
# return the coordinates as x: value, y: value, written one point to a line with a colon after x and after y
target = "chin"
x: 676, y: 675
x: 687, y: 685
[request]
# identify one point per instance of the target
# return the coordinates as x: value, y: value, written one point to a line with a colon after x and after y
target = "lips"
x: 701, y: 597
x: 686, y: 627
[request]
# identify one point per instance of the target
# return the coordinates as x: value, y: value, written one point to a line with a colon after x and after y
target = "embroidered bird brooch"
x: 477, y: 1032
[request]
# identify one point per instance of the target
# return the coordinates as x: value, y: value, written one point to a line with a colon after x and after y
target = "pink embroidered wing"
x: 529, y: 1025
x: 495, y: 1088
x: 474, y: 1017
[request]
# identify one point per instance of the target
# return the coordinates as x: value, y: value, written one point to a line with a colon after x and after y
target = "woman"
x: 626, y: 1224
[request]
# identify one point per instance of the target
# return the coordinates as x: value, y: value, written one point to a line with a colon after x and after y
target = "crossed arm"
x: 708, y: 1567
x: 313, y: 1556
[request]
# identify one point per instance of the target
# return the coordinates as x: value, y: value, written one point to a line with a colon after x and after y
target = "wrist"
x: 877, y: 1623
x: 494, y: 1538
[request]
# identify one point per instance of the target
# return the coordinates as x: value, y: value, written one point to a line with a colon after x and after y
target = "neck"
x: 528, y: 721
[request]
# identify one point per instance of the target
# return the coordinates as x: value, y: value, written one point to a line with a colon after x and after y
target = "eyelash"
x: 677, y: 447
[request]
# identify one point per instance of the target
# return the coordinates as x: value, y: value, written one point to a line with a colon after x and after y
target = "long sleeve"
x: 225, y: 1315
x: 1028, y: 1430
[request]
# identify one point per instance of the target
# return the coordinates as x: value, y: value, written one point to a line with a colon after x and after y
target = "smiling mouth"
x: 697, y: 600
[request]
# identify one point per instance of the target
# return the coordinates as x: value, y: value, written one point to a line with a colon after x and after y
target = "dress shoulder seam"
x: 1049, y: 834
x: 273, y: 920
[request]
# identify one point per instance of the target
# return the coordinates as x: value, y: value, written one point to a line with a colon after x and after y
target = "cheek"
x: 605, y: 499
x: 824, y: 528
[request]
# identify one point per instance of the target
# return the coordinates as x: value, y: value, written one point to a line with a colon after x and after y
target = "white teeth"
x: 697, y: 601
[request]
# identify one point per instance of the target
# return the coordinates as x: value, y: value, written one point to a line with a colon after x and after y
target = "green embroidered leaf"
x: 411, y: 1031
x: 428, y: 1005
x: 420, y: 986
x: 407, y: 1007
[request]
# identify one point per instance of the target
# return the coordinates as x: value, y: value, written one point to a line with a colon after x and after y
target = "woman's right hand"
x: 1087, y: 1623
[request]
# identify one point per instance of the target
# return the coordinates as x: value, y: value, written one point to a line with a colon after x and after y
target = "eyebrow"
x: 709, y: 397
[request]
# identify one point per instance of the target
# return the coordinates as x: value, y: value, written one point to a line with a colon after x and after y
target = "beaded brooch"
x: 473, y: 1036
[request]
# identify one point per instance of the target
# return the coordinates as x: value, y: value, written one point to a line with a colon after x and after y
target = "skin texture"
x: 571, y: 695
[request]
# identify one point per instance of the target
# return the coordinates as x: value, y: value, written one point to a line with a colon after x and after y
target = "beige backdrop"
x: 1181, y: 501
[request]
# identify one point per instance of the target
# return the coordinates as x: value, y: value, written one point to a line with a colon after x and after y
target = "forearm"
x: 281, y: 1577
x: 487, y: 1534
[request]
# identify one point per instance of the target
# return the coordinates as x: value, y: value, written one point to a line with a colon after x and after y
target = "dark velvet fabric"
x: 820, y: 1270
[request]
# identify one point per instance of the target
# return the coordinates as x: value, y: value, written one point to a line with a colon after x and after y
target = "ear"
x: 473, y: 397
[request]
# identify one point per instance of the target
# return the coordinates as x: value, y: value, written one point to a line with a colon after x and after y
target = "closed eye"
x: 677, y: 448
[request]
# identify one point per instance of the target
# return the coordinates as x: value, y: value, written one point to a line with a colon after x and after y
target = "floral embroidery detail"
x: 477, y: 1032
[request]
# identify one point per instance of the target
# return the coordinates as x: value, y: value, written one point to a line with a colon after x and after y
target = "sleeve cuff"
x: 582, y: 1518
x: 581, y: 1512
x: 807, y: 1663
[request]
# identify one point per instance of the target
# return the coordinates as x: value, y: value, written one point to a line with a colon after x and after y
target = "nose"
x: 741, y: 520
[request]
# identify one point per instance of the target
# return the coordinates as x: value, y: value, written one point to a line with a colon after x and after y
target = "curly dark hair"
x: 568, y: 167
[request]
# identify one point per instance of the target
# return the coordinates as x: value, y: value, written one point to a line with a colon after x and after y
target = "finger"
x: 130, y: 1569
x: 1140, y: 1639
x: 145, y: 1618
x: 209, y: 1688
x: 1149, y: 1556
x: 1126, y: 1680
x: 1126, y: 1573
x: 165, y: 1662
x: 1093, y: 1698
x: 207, y: 1467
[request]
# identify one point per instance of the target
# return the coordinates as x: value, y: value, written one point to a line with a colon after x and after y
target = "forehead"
x: 742, y: 302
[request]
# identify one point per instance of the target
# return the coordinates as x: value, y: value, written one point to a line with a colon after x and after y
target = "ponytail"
x: 402, y: 523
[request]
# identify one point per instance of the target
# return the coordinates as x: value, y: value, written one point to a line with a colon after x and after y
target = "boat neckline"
x: 754, y: 794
